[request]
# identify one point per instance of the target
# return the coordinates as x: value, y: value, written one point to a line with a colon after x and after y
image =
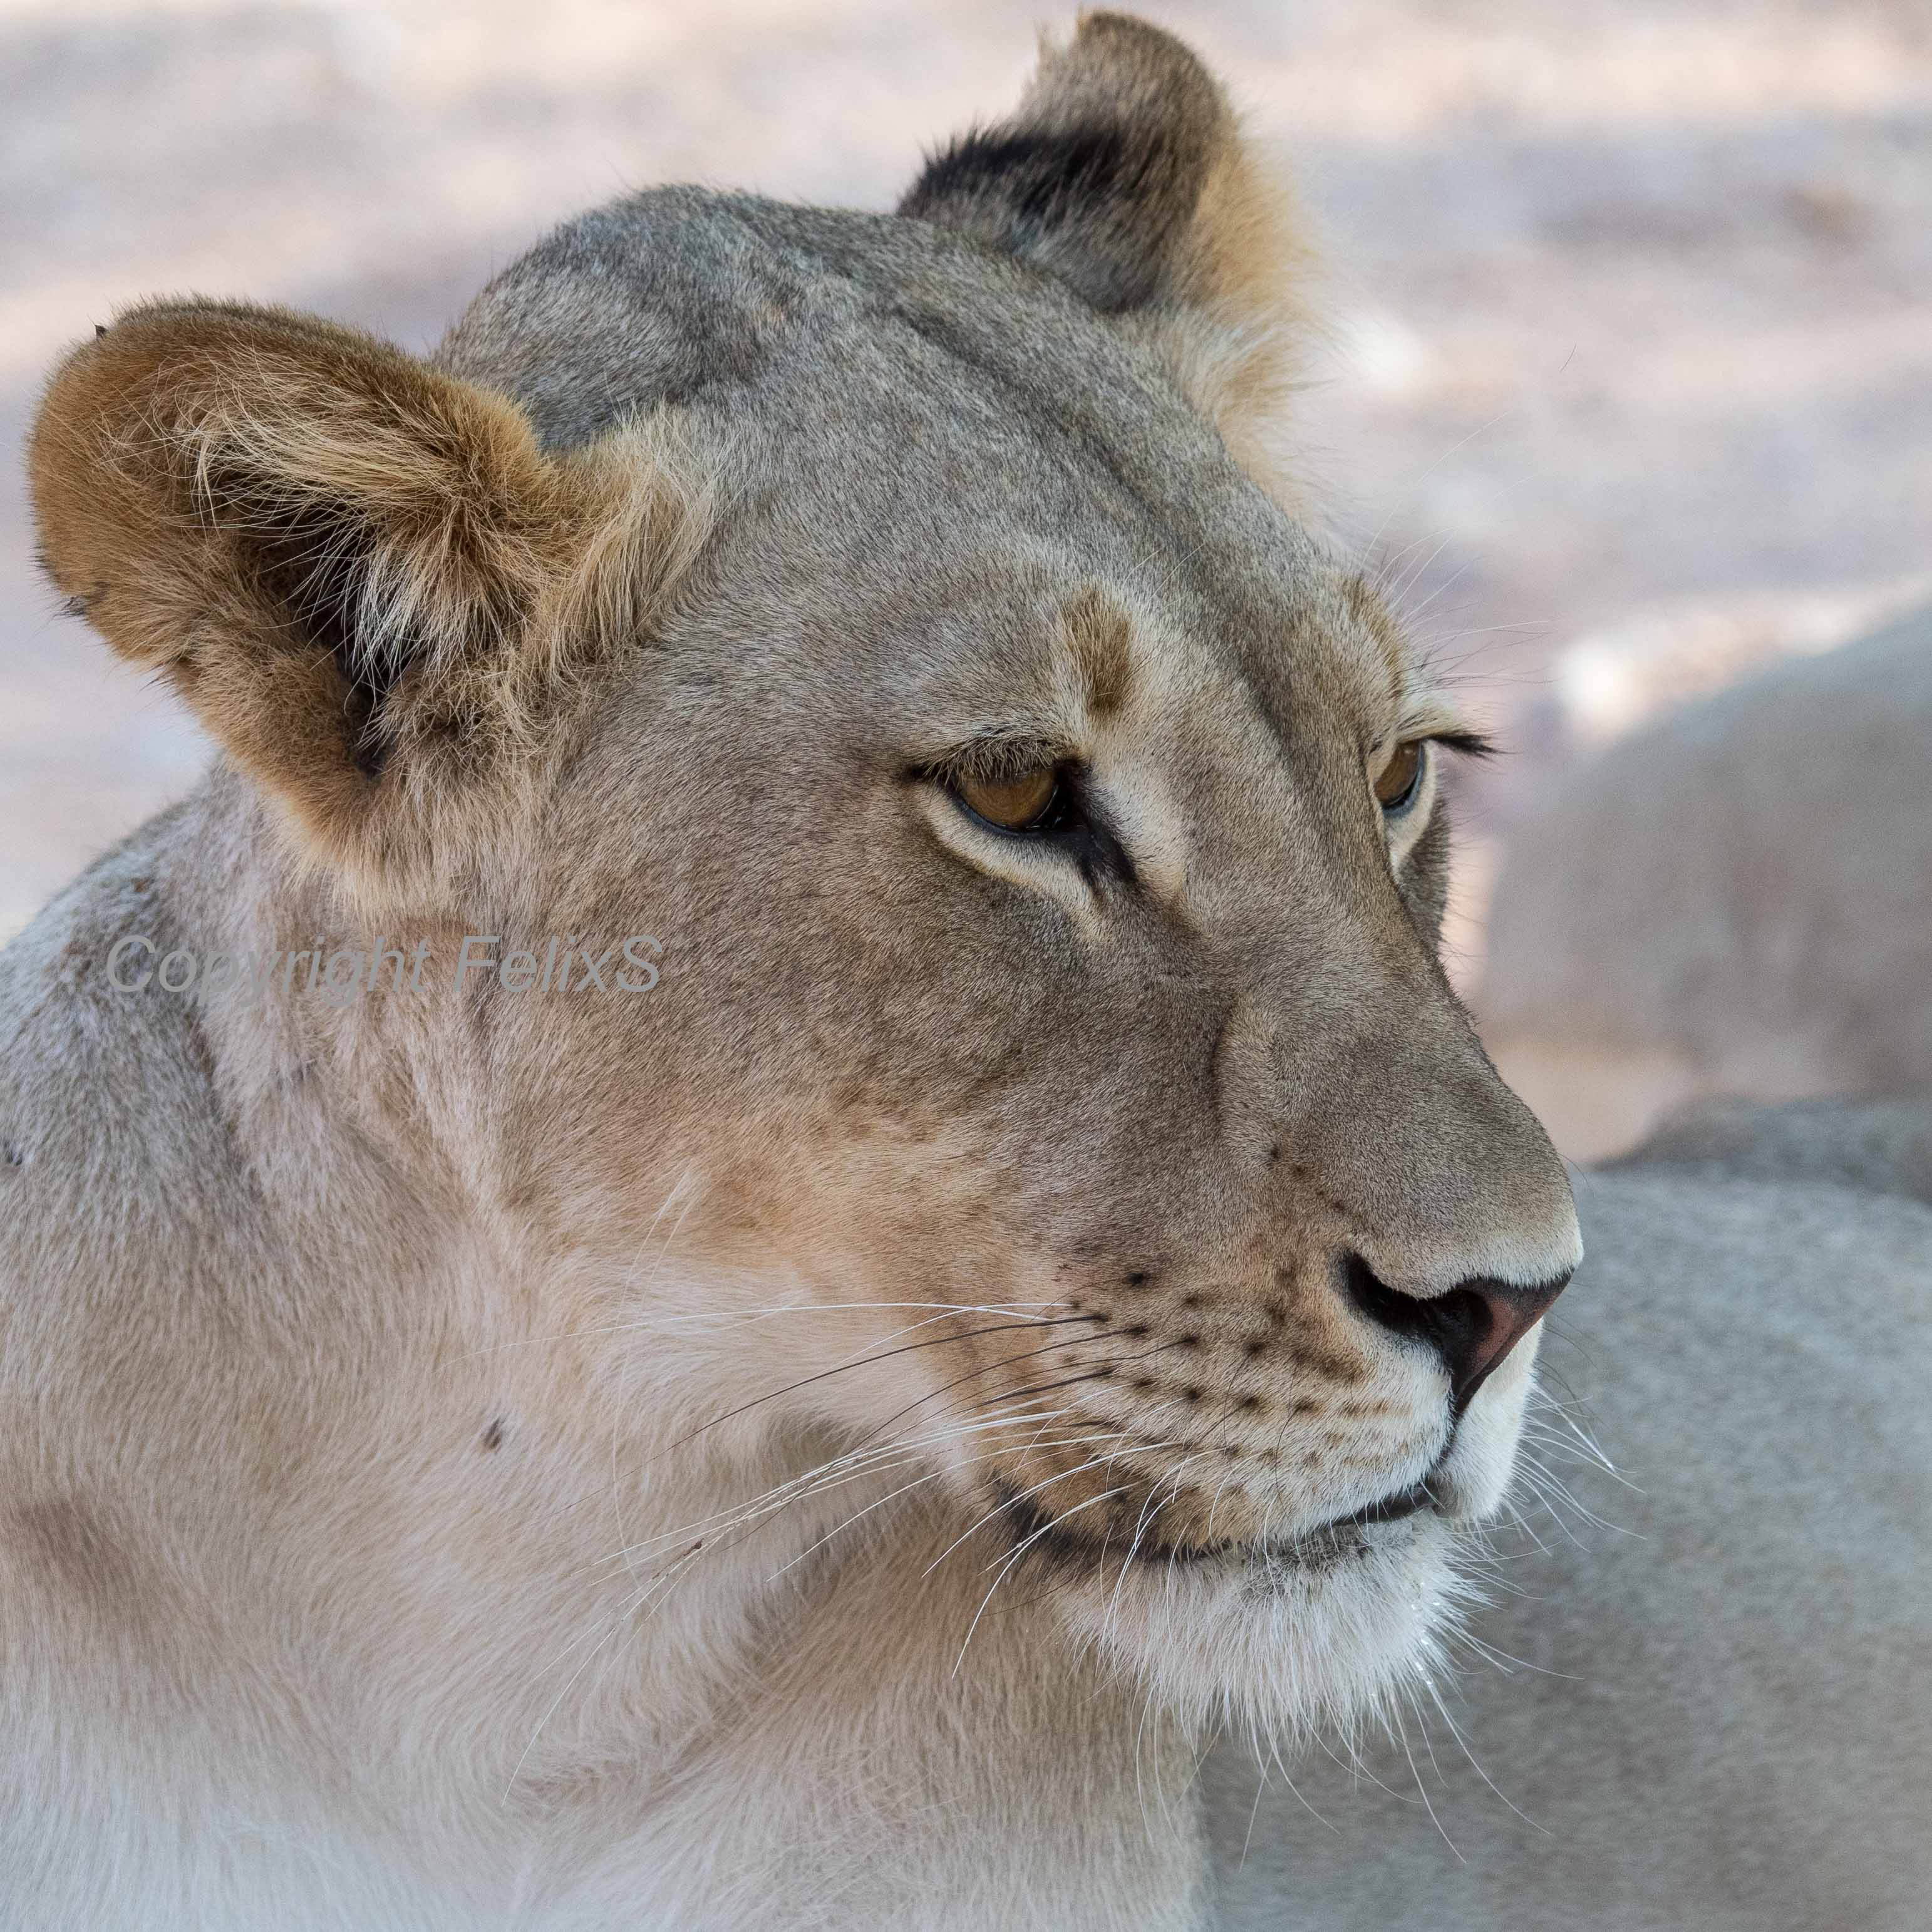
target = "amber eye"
x: 1400, y: 776
x: 1019, y: 804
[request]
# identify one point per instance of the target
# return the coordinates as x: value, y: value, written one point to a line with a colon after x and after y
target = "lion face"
x: 1044, y: 834
x: 1038, y: 947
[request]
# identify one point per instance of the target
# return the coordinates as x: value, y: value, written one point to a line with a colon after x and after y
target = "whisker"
x: 1455, y: 1731
x: 864, y: 1361
x: 677, y: 1323
x: 1020, y: 1551
x: 1006, y: 1503
x: 848, y: 1465
x: 1402, y: 1737
x: 1005, y: 1361
x: 1064, y: 1441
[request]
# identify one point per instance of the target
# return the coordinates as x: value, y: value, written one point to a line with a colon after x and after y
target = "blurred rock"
x: 1881, y: 1146
x: 1650, y: 663
x: 1736, y: 901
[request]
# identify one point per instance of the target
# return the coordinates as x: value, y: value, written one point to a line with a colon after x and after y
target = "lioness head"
x: 893, y: 616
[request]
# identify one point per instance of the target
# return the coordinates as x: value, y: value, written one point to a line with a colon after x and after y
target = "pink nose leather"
x: 1510, y: 1313
x: 1472, y: 1326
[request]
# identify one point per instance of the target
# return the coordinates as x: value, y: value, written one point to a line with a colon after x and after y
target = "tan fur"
x: 1243, y: 335
x: 816, y: 1441
x: 1099, y: 631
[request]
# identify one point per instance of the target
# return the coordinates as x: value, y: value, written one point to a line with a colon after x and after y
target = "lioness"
x: 776, y: 1182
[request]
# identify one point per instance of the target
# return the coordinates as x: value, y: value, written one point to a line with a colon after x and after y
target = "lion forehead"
x: 948, y: 395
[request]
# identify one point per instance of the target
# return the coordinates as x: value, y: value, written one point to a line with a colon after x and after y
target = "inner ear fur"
x: 364, y: 576
x: 1124, y: 173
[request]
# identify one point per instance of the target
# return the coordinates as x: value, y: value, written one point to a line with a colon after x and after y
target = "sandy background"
x: 1631, y: 383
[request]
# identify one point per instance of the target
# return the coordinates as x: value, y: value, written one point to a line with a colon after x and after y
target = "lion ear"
x: 363, y: 575
x: 1124, y: 172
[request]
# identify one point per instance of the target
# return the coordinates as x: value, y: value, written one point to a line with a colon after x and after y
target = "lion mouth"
x: 1033, y: 1528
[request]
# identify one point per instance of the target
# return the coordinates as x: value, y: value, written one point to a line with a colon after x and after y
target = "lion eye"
x: 1019, y: 804
x: 1396, y: 786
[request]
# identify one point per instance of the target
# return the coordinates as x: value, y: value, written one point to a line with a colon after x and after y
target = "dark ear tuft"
x: 1123, y: 174
x: 1097, y: 177
x: 1099, y: 207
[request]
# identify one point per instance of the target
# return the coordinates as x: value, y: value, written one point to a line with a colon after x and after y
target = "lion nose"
x: 1472, y: 1326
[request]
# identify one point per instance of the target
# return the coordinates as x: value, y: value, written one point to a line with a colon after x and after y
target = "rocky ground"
x: 1630, y: 385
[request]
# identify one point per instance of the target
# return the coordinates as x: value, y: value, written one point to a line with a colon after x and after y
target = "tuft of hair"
x: 1124, y: 172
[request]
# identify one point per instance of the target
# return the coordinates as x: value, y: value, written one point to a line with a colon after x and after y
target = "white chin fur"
x: 1280, y: 1649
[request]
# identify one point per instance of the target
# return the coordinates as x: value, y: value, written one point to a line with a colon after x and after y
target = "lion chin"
x: 1278, y: 1642
x: 1316, y: 1633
